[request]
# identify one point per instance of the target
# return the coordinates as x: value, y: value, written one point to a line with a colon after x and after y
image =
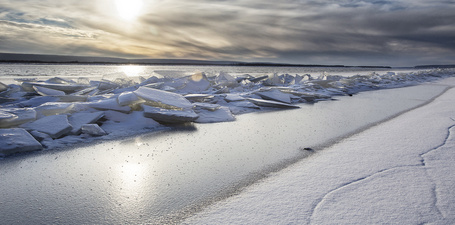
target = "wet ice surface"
x: 47, y: 107
x: 151, y: 178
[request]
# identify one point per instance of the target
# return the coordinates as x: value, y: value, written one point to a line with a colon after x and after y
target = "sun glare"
x: 128, y: 9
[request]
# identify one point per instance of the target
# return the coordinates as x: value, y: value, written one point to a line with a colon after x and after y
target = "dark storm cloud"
x: 322, y: 32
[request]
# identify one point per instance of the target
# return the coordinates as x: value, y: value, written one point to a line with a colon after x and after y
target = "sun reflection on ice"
x: 132, y: 71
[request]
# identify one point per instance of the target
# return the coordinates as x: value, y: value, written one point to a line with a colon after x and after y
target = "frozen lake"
x: 162, y: 177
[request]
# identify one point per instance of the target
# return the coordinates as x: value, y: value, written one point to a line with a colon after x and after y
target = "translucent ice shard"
x: 169, y: 115
x: 225, y: 79
x: 163, y: 99
x: 47, y: 91
x: 3, y: 87
x: 17, y: 140
x: 196, y: 83
x: 77, y: 120
x: 54, y: 108
x: 21, y: 116
x: 55, y: 126
x: 128, y: 98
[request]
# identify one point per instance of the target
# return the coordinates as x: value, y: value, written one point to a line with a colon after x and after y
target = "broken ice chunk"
x: 54, y: 108
x: 221, y: 114
x: 206, y: 106
x: 169, y: 115
x: 198, y: 97
x: 274, y: 80
x: 77, y: 120
x: 233, y: 98
x: 163, y: 99
x: 93, y: 129
x: 128, y: 98
x: 269, y: 103
x: 22, y: 116
x: 59, y: 80
x: 17, y: 140
x: 56, y: 126
x: 109, y: 104
x: 67, y: 88
x: 6, y: 116
x: 275, y: 95
x: 40, y: 136
x: 3, y: 87
x: 257, y: 79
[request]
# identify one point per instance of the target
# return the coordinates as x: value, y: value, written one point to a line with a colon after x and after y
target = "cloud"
x: 295, y: 31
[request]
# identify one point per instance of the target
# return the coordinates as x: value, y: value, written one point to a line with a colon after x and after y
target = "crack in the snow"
x: 319, y: 201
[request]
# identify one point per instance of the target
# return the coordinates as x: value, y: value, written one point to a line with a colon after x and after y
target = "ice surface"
x: 163, y: 99
x: 93, y: 129
x: 171, y: 97
x: 169, y: 115
x: 214, y: 115
x: 55, y: 126
x: 17, y: 140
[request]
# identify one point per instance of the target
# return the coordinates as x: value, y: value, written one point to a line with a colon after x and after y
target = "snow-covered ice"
x: 398, y: 172
x: 40, y: 106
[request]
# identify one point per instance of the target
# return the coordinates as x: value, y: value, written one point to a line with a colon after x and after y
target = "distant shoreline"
x: 180, y: 64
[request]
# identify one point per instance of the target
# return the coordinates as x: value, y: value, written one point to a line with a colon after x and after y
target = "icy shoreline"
x: 59, y: 112
x: 400, y: 171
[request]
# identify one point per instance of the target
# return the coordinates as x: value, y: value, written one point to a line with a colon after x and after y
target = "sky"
x: 347, y: 32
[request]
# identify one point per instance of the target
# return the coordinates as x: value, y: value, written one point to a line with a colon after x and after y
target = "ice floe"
x: 118, y: 105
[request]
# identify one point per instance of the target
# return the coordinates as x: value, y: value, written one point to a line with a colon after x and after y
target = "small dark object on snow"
x: 308, y: 149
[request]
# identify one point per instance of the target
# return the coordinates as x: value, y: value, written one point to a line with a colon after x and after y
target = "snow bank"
x: 57, y: 107
x: 398, y: 172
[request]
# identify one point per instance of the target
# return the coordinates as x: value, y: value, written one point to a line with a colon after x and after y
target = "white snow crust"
x: 398, y: 172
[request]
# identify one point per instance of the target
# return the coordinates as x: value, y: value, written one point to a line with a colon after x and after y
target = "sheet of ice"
x: 388, y: 174
x: 163, y: 99
x: 198, y: 97
x: 55, y: 126
x: 270, y: 103
x: 169, y: 115
x: 77, y: 120
x: 47, y: 91
x: 17, y: 140
x: 53, y: 108
x: 93, y: 129
x: 275, y: 95
x: 109, y: 104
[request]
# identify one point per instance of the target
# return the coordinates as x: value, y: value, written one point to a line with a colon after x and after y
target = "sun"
x: 128, y: 9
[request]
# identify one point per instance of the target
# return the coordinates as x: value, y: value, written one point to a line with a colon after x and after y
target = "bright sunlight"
x: 128, y: 9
